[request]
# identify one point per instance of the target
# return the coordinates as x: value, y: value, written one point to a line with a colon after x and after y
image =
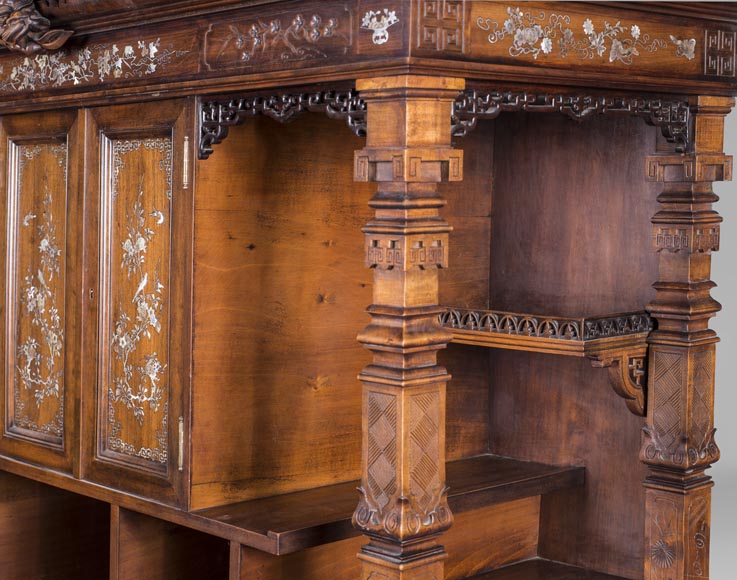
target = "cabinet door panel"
x: 40, y: 252
x: 141, y: 350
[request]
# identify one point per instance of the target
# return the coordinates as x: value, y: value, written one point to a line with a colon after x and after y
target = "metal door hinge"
x: 180, y: 459
x: 185, y: 165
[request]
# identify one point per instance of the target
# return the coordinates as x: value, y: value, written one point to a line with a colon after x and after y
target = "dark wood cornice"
x: 717, y: 11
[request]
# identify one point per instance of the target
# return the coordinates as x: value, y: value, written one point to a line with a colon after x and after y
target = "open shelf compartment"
x: 310, y: 518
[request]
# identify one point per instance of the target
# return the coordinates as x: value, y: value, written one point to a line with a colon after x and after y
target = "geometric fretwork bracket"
x: 217, y: 116
x: 627, y: 374
x: 672, y: 116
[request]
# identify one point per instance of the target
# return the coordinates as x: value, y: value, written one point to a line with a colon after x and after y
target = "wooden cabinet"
x: 509, y: 375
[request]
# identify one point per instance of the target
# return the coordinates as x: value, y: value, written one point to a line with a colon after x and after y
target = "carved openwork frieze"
x: 673, y: 117
x: 557, y: 328
x: 217, y: 116
x: 24, y: 29
x: 721, y: 53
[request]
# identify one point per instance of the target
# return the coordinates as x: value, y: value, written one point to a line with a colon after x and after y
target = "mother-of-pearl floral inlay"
x: 538, y: 34
x: 96, y: 63
x: 39, y: 357
x: 138, y: 381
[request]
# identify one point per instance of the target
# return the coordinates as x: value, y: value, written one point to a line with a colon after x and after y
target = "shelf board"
x: 543, y: 570
x: 318, y: 516
x: 581, y: 337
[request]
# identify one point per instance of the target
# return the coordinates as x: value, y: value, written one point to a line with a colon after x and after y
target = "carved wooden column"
x: 679, y: 438
x: 403, y: 506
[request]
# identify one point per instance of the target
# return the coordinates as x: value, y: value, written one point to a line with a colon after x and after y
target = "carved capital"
x: 24, y: 29
x: 689, y: 168
x: 432, y: 164
x: 627, y: 374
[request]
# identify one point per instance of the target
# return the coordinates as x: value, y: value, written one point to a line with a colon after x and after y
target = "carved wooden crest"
x: 24, y: 29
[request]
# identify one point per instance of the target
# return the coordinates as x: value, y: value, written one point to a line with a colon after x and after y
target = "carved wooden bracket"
x: 673, y: 117
x: 24, y: 29
x: 217, y: 116
x: 627, y: 374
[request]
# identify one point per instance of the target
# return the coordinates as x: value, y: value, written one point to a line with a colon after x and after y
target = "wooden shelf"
x: 581, y: 337
x: 543, y: 570
x: 310, y: 518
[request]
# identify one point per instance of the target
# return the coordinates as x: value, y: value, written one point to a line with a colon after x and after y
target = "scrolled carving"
x: 627, y: 375
x: 216, y: 117
x: 24, y: 29
x: 673, y: 117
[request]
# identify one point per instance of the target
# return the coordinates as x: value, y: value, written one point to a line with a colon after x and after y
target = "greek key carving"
x: 721, y: 47
x: 441, y: 25
x: 420, y: 252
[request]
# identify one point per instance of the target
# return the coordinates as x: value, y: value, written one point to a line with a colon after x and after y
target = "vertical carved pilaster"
x: 679, y: 445
x: 403, y: 506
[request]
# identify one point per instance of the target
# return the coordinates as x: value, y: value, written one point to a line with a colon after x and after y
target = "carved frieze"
x: 297, y: 36
x: 25, y: 29
x: 673, y: 117
x: 688, y: 239
x: 558, y: 328
x: 217, y: 116
x: 406, y: 252
x: 441, y: 25
x: 721, y: 53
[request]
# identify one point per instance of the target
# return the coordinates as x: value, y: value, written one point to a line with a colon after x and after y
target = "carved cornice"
x: 216, y: 117
x: 672, y: 116
x: 24, y: 29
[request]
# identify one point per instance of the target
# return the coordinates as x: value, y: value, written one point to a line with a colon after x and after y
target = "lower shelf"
x: 543, y: 570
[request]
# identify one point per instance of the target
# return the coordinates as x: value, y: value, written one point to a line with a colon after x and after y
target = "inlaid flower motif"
x: 536, y: 32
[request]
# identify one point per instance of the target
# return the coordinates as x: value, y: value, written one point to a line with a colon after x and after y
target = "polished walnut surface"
x: 188, y: 298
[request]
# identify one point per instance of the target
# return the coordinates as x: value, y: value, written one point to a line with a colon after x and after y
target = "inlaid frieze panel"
x: 134, y: 282
x: 307, y: 35
x: 35, y: 327
x: 529, y: 33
